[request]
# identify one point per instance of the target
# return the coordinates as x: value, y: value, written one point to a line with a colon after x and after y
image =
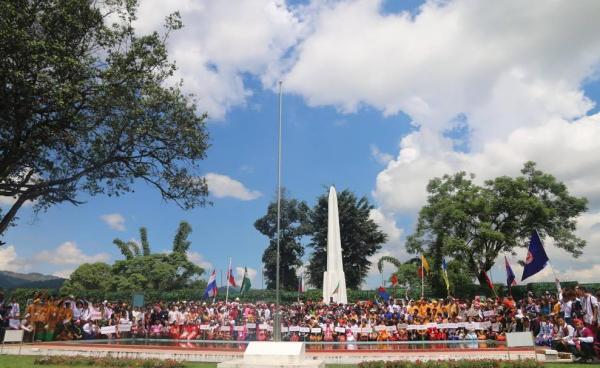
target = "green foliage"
x: 293, y: 226
x: 108, y: 362
x: 360, y: 237
x: 140, y: 270
x: 88, y: 276
x: 475, y: 224
x: 85, y: 108
x: 388, y: 259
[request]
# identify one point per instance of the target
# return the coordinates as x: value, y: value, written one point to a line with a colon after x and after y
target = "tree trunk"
x: 10, y: 215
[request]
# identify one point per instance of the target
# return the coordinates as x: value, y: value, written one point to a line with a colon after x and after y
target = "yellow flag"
x: 425, y: 263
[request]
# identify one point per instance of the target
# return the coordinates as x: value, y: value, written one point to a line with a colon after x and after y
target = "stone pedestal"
x: 269, y: 354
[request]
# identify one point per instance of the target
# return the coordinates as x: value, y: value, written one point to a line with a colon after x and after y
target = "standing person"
x: 589, y: 306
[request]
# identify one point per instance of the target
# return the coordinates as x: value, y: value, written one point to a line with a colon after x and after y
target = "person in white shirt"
x: 589, y: 305
x: 564, y: 334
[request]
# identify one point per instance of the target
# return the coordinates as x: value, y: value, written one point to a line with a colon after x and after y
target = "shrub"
x: 108, y: 362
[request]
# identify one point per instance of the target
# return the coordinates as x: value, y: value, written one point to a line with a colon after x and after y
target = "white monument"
x: 334, y: 279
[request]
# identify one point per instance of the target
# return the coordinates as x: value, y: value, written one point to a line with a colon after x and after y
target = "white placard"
x: 489, y: 313
x: 339, y: 329
x: 452, y: 325
x: 250, y: 325
x: 411, y: 327
x: 315, y: 330
x: 390, y: 328
x: 462, y: 324
x: 285, y: 329
x: 108, y: 330
x: 355, y: 329
x: 238, y: 328
x: 13, y: 335
x: 421, y: 327
x: 269, y: 328
x: 305, y: 329
x: 485, y: 324
x: 294, y: 328
x: 403, y: 325
x: 204, y: 327
x: 125, y: 327
x: 514, y: 339
x: 366, y: 330
x: 263, y: 326
x: 225, y: 328
x: 379, y: 328
x: 431, y: 325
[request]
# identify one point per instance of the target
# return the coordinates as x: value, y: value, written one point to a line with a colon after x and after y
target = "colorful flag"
x: 383, y: 293
x: 246, y: 285
x: 230, y: 278
x: 510, y: 275
x: 301, y: 283
x: 487, y: 280
x: 424, y: 263
x: 337, y: 288
x: 536, y: 257
x: 445, y: 274
x: 211, y: 288
x: 394, y: 280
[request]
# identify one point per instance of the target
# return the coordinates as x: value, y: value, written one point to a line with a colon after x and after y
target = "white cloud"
x: 65, y: 274
x: 68, y: 253
x: 381, y: 157
x: 223, y: 186
x: 198, y: 259
x: 115, y: 221
x: 10, y: 261
x: 221, y: 41
x: 251, y: 275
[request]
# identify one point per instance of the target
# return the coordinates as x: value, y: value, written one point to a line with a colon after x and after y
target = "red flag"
x: 394, y: 280
x: 487, y: 280
x: 420, y: 272
x: 230, y: 278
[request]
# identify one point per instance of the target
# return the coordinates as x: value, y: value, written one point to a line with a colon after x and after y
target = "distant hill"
x: 13, y: 280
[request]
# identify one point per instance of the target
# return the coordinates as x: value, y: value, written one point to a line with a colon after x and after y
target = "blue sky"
x: 379, y: 98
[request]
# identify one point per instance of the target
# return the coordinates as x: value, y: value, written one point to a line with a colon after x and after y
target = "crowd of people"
x: 566, y: 322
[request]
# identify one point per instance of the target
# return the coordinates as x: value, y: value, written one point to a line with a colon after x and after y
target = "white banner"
x: 108, y: 330
x: 294, y: 328
x: 340, y: 329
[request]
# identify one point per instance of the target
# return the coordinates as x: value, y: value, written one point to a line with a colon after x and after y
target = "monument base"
x: 269, y: 354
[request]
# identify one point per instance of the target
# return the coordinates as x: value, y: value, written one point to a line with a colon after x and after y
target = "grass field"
x: 13, y: 361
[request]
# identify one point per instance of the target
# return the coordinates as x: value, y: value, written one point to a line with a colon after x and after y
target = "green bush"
x: 108, y: 362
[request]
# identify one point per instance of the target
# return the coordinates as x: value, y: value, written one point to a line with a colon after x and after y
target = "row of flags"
x: 212, y: 288
x: 535, y: 261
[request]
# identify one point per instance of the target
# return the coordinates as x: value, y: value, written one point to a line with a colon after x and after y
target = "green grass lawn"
x: 13, y: 361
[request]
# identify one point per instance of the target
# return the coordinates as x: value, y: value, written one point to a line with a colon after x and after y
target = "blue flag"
x: 536, y: 257
x: 383, y: 293
x: 510, y: 275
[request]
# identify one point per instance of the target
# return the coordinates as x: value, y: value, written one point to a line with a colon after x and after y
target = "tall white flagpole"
x: 227, y: 277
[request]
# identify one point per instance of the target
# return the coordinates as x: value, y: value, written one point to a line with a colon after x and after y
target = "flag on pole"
x: 211, y: 288
x: 394, y: 280
x: 383, y: 293
x: 536, y: 257
x: 301, y: 283
x: 445, y: 274
x: 245, y: 282
x: 424, y: 263
x: 230, y: 278
x: 337, y: 288
x: 420, y: 272
x: 487, y: 280
x: 510, y: 275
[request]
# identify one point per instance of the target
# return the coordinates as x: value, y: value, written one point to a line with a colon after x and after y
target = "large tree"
x: 360, y: 236
x: 475, y: 224
x: 85, y: 107
x: 294, y: 226
x: 141, y: 269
